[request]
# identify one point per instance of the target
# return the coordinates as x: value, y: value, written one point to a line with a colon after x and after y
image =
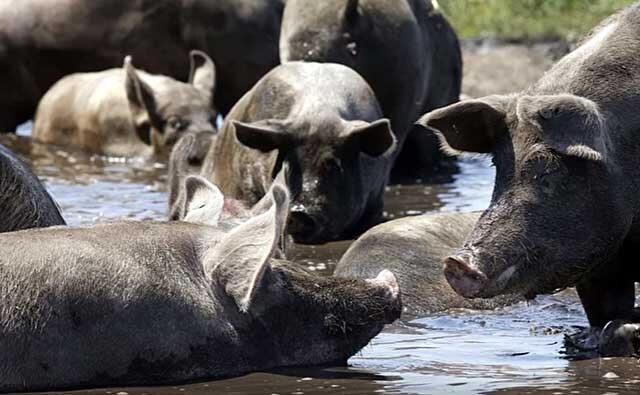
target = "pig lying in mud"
x: 126, y: 112
x: 42, y: 41
x: 24, y: 202
x: 324, y: 122
x: 405, y: 49
x: 413, y: 248
x: 566, y: 204
x: 147, y: 303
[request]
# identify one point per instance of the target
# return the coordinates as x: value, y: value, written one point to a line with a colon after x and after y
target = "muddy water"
x: 516, y: 350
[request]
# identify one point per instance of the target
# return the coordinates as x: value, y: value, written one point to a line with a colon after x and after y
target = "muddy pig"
x: 565, y: 209
x: 413, y: 248
x: 405, y: 49
x: 150, y: 303
x: 126, y: 112
x: 24, y: 202
x: 324, y: 122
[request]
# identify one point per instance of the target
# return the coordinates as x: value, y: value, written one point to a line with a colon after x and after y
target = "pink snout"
x: 465, y: 279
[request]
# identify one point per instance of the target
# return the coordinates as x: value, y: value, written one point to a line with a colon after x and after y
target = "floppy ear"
x: 142, y: 103
x: 374, y: 139
x: 470, y: 125
x: 178, y: 165
x: 260, y: 137
x: 570, y: 124
x: 204, y: 202
x: 203, y: 72
x: 241, y: 259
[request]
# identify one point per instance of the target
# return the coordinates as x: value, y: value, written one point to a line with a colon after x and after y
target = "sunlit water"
x: 515, y: 350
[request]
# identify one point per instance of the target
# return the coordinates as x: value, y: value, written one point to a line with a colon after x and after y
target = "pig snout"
x: 387, y: 281
x: 463, y: 277
x: 203, y: 142
x: 301, y: 225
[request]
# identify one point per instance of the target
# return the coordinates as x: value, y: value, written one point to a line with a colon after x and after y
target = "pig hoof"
x: 619, y: 339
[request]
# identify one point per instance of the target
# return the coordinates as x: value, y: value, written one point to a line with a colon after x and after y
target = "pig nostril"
x: 463, y: 278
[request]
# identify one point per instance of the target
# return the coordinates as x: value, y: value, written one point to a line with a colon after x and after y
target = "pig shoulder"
x: 77, y: 110
x: 96, y: 286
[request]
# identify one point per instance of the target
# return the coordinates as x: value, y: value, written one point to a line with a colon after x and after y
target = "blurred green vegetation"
x: 527, y: 19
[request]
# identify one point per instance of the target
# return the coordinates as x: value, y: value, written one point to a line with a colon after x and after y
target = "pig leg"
x: 607, y: 294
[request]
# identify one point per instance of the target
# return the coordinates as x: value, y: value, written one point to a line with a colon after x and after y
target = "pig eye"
x: 177, y: 123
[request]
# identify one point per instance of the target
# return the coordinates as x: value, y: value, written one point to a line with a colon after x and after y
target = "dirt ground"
x: 491, y: 68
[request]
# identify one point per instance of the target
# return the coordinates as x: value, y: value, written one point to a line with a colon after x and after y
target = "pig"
x: 413, y: 248
x: 405, y: 49
x: 152, y: 303
x: 324, y: 123
x: 179, y: 172
x: 125, y: 112
x: 565, y: 206
x: 41, y: 42
x: 24, y: 202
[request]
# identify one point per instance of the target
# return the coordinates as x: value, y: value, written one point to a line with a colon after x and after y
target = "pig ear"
x: 374, y: 139
x: 204, y: 202
x: 242, y: 258
x: 261, y: 137
x: 141, y: 101
x: 470, y: 125
x: 571, y: 125
x: 178, y: 165
x: 203, y: 72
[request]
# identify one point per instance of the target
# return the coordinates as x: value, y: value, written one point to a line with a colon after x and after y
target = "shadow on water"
x: 515, y: 350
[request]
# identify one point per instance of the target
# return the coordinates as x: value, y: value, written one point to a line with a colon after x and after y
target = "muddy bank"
x: 492, y: 67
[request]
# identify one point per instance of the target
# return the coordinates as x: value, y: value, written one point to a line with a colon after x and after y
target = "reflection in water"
x: 515, y: 350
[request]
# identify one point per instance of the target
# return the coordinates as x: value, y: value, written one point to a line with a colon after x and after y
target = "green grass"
x: 527, y: 19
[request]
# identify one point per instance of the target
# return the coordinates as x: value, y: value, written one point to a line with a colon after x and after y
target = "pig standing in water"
x: 412, y: 248
x: 405, y: 49
x: 566, y: 205
x: 146, y: 303
x: 24, y: 203
x: 322, y: 121
x: 124, y: 112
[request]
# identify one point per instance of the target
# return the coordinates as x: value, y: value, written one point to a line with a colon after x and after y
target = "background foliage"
x: 527, y: 19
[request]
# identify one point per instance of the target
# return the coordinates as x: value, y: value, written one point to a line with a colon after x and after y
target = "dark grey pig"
x: 413, y: 248
x: 148, y: 303
x: 42, y: 41
x: 405, y: 49
x: 125, y: 112
x: 324, y: 123
x: 566, y: 204
x: 24, y: 202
